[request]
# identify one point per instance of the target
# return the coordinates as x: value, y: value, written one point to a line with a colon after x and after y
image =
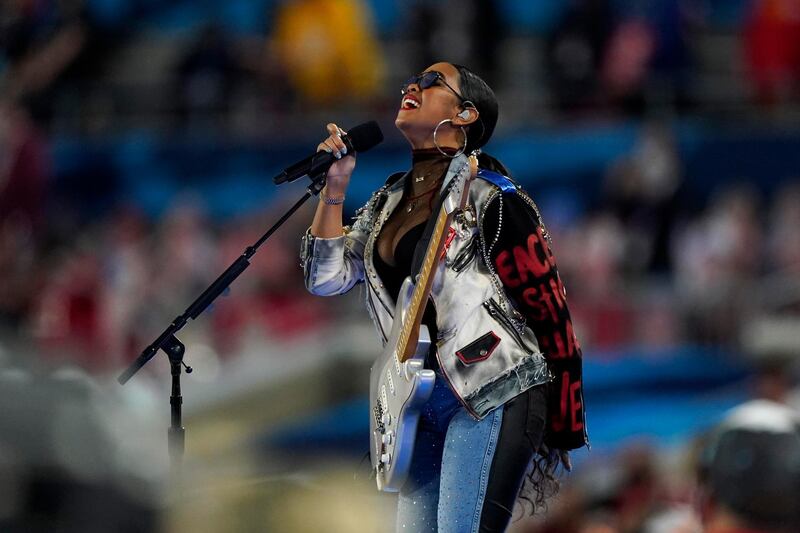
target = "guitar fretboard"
x: 422, y: 287
x: 412, y: 319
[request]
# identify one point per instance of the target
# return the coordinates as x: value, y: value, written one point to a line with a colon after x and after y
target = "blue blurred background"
x: 138, y: 139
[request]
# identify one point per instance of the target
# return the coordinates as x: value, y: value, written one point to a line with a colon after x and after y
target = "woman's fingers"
x: 555, y: 456
x: 339, y: 173
x: 330, y: 143
x: 565, y: 460
x: 330, y: 146
x: 338, y: 145
x: 333, y: 129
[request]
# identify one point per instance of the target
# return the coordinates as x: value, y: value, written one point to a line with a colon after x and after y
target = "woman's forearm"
x: 327, y: 219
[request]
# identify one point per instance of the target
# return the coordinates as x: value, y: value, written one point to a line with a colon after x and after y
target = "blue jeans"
x: 466, y: 474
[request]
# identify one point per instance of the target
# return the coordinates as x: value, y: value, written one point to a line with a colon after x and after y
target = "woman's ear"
x: 466, y: 117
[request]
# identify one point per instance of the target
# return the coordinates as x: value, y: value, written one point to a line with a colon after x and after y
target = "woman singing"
x: 507, y: 399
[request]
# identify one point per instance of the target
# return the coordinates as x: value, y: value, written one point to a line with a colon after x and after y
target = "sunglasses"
x: 426, y: 80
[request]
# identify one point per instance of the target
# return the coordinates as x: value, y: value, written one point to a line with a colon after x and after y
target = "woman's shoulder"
x: 491, y: 187
x: 505, y: 199
x: 502, y: 182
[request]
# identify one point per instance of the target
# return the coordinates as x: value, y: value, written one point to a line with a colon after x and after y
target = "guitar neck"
x: 413, y: 318
x: 422, y: 289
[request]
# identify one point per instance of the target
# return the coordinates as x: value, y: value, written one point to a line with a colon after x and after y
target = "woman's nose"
x: 411, y: 87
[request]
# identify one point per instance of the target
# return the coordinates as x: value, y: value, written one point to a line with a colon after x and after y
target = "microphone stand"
x: 174, y: 349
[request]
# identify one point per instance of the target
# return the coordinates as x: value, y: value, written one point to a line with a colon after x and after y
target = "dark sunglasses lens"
x: 424, y: 81
x: 409, y: 81
x: 428, y: 79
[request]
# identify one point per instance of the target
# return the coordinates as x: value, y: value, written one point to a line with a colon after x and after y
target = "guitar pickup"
x: 390, y: 381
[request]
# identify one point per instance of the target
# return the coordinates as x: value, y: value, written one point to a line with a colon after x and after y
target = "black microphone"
x: 359, y: 139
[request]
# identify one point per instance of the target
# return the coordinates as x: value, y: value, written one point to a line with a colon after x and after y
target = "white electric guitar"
x: 399, y: 385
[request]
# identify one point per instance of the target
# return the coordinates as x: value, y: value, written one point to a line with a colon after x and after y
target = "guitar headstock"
x: 473, y: 166
x: 459, y: 192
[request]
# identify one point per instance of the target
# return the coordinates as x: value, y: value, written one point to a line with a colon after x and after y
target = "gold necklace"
x: 412, y: 202
x: 432, y: 168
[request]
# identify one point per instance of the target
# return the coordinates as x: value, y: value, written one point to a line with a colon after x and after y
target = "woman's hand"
x: 554, y: 457
x: 340, y: 171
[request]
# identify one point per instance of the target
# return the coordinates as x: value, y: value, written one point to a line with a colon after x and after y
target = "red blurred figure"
x: 70, y: 318
x: 772, y: 47
x: 24, y: 172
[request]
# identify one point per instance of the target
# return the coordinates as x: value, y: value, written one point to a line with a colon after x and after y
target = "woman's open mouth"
x: 409, y: 102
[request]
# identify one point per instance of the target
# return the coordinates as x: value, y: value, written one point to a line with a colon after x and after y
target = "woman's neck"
x: 428, y: 168
x: 419, y: 155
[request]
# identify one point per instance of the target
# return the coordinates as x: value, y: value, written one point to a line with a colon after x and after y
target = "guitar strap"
x: 505, y: 184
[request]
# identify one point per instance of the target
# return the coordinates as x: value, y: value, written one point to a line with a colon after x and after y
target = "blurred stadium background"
x: 137, y: 141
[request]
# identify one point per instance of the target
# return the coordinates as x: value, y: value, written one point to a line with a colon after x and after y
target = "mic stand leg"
x: 175, y: 349
x: 176, y: 435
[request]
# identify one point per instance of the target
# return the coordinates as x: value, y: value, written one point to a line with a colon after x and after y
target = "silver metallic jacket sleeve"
x: 334, y: 266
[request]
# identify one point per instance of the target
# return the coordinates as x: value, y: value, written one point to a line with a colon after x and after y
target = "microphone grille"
x: 365, y: 136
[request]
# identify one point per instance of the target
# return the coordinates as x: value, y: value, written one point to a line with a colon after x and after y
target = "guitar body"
x: 397, y: 393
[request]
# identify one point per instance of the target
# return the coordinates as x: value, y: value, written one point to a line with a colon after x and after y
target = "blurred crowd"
x: 99, y: 66
x: 95, y: 463
x: 740, y: 476
x: 653, y: 266
x: 98, y: 296
x: 649, y: 265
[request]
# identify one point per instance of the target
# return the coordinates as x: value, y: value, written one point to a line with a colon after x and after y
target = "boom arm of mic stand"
x: 218, y: 286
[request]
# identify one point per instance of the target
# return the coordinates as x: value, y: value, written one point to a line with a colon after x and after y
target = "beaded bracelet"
x: 327, y: 200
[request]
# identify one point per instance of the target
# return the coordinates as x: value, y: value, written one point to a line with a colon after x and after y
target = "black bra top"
x: 393, y: 276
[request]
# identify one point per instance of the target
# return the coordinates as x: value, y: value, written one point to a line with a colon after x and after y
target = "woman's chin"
x: 408, y: 125
x: 404, y: 125
x: 415, y: 132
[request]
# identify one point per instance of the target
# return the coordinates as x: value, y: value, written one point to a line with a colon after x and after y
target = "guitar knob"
x: 386, y: 458
x: 386, y: 419
x: 387, y: 438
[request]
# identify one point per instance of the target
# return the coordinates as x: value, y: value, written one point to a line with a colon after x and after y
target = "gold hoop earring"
x: 463, y: 132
